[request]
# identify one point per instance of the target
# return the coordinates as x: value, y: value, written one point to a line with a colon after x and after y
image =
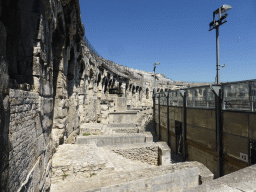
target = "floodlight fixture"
x: 215, y: 25
x: 223, y: 9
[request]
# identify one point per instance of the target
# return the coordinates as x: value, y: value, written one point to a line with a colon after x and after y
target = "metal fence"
x: 239, y: 95
x: 235, y: 96
x: 201, y: 97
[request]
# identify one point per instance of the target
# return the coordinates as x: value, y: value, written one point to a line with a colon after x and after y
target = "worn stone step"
x: 152, y: 153
x: 121, y: 125
x: 92, y: 128
x: 122, y: 163
x: 175, y: 177
x: 78, y: 161
x: 124, y: 130
x: 115, y: 139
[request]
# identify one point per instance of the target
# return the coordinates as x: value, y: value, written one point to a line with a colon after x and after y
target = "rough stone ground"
x: 86, y: 167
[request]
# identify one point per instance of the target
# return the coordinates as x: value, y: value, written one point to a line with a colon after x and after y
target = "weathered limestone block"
x: 148, y: 154
x: 37, y: 66
x: 60, y: 112
x: 4, y: 78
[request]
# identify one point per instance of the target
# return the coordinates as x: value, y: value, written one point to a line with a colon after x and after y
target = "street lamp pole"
x: 215, y: 25
x: 217, y: 56
x: 157, y: 63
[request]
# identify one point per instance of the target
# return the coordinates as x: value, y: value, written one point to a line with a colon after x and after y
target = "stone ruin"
x: 70, y: 118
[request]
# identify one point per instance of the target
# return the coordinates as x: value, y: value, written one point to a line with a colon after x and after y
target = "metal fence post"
x: 219, y: 132
x: 168, y: 127
x: 217, y: 89
x: 154, y: 110
x: 184, y: 126
x: 251, y: 96
x: 159, y: 105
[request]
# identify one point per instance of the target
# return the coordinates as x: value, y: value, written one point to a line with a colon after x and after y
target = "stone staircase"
x: 174, y: 177
x: 119, y: 157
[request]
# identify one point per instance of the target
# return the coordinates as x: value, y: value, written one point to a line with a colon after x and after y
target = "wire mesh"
x: 163, y: 99
x: 200, y: 97
x: 175, y: 98
x: 237, y: 96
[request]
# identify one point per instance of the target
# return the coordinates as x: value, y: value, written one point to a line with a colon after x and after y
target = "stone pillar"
x: 4, y: 77
x: 4, y: 110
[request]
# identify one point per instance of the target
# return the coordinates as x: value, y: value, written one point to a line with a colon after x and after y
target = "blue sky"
x: 138, y: 33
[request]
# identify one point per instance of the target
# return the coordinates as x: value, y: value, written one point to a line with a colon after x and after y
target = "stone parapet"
x: 242, y: 180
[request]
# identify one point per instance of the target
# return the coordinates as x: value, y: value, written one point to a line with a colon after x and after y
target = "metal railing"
x: 235, y: 96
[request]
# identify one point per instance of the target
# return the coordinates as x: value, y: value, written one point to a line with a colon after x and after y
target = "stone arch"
x: 137, y: 88
x: 140, y: 93
x: 130, y: 87
x: 99, y: 79
x: 91, y: 74
x: 71, y: 65
x: 147, y: 93
x: 106, y: 85
x: 195, y: 92
x: 133, y: 90
x: 82, y: 70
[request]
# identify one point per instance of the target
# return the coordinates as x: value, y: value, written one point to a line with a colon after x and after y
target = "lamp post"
x: 157, y: 63
x: 215, y: 25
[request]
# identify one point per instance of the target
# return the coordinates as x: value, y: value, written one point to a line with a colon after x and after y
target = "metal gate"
x: 178, y: 134
x: 252, y: 151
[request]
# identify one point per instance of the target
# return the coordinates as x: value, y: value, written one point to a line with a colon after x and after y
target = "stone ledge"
x: 175, y: 177
x: 124, y: 112
x: 242, y: 180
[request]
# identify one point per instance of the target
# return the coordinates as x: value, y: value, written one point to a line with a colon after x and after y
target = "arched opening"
x: 71, y: 72
x: 140, y: 93
x: 106, y: 86
x: 130, y: 88
x: 133, y: 90
x: 99, y: 79
x: 81, y: 70
x: 91, y: 73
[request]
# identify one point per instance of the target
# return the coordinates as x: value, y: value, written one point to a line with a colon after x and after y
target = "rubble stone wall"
x: 144, y: 154
x: 30, y: 140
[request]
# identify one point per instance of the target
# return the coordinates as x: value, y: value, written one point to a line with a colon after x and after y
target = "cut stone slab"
x: 176, y: 177
x: 78, y: 161
x: 92, y: 128
x: 115, y: 139
x: 242, y: 180
x: 121, y: 125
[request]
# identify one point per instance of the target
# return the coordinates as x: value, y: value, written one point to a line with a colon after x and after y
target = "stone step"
x: 92, y: 128
x: 175, y: 177
x: 121, y: 125
x: 121, y: 163
x: 78, y: 161
x: 152, y: 153
x: 124, y: 129
x: 115, y: 139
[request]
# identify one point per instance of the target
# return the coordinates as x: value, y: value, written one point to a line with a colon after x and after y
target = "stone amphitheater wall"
x: 51, y: 82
